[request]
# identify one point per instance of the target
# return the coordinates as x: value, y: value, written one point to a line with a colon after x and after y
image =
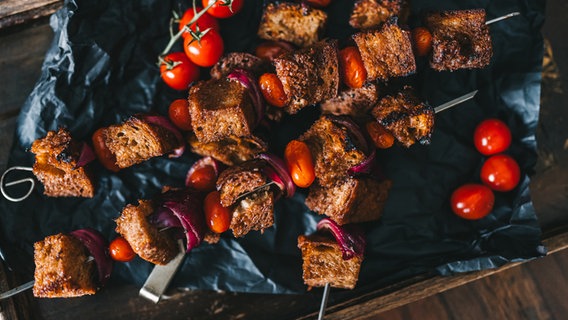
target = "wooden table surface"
x: 533, y: 290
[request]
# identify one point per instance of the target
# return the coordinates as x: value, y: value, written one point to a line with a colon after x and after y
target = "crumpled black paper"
x: 101, y: 68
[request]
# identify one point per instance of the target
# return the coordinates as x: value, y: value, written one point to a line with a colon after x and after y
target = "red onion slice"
x: 204, y: 162
x: 166, y: 124
x: 350, y: 238
x: 97, y: 246
x: 365, y: 167
x: 287, y: 184
x: 87, y: 155
x: 248, y: 81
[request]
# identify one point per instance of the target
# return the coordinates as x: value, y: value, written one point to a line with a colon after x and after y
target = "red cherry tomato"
x: 204, y: 22
x: 318, y: 3
x: 223, y: 8
x: 422, y: 40
x: 120, y: 250
x: 472, y: 201
x: 381, y: 137
x: 218, y: 218
x: 177, y: 71
x: 179, y: 114
x: 272, y: 90
x: 501, y: 173
x: 106, y: 158
x: 207, y: 51
x: 492, y: 136
x: 351, y: 68
x: 203, y: 179
x: 300, y: 163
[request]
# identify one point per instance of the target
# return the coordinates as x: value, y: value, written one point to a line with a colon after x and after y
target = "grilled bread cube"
x: 239, y: 60
x: 253, y: 212
x: 334, y: 151
x: 309, y: 75
x: 406, y: 117
x: 323, y: 263
x: 241, y: 179
x: 386, y: 52
x: 144, y: 238
x: 292, y: 22
x: 55, y: 166
x: 219, y: 109
x: 231, y: 150
x: 460, y: 40
x: 353, y: 102
x: 62, y: 268
x: 372, y: 13
x: 350, y: 200
x: 137, y: 140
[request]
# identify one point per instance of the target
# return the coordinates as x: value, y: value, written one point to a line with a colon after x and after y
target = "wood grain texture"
x: 14, y: 12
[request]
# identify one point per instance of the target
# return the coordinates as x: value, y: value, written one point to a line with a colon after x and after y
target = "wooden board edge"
x: 16, y: 15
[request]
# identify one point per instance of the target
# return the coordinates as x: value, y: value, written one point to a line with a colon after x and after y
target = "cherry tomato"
x: 106, y: 158
x: 223, y: 8
x: 217, y: 217
x: 269, y: 50
x: 381, y: 137
x: 207, y: 51
x: 203, y: 179
x: 179, y: 114
x: 422, y: 40
x: 300, y: 163
x: 120, y: 250
x: 472, y: 201
x: 204, y: 22
x: 318, y: 3
x: 272, y: 90
x: 492, y: 136
x: 177, y: 71
x: 501, y: 173
x: 351, y: 68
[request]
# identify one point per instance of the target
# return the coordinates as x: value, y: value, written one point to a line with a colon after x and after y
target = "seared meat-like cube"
x: 239, y: 60
x: 296, y: 23
x: 254, y: 211
x: 55, y: 166
x: 386, y: 52
x: 219, y: 109
x: 406, y: 117
x: 231, y: 150
x: 350, y: 200
x: 460, y: 40
x: 353, y: 102
x: 372, y: 13
x: 323, y: 263
x: 309, y: 75
x: 334, y: 151
x: 144, y: 238
x: 137, y: 140
x: 62, y: 268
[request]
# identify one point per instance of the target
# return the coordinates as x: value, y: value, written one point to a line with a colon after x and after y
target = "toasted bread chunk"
x: 350, y: 200
x: 309, y: 75
x: 231, y: 150
x: 296, y: 23
x: 333, y: 150
x: 323, y: 263
x: 62, y: 268
x: 386, y: 52
x: 460, y: 40
x: 55, y: 166
x: 253, y: 212
x: 240, y: 179
x: 136, y: 140
x: 372, y: 13
x: 145, y: 239
x: 219, y: 109
x: 239, y: 60
x: 353, y: 102
x: 406, y: 117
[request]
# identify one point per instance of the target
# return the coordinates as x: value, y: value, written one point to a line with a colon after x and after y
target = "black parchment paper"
x: 101, y: 68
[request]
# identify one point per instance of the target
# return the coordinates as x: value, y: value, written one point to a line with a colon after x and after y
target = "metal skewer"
x: 324, y: 299
x: 161, y: 276
x: 13, y: 183
x: 507, y: 16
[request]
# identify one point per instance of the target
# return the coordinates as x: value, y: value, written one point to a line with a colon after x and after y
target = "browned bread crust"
x: 240, y: 179
x: 239, y: 60
x: 353, y: 102
x: 333, y: 150
x: 406, y: 117
x: 309, y: 75
x: 253, y: 212
x: 55, y: 166
x: 350, y: 200
x: 136, y: 140
x: 292, y: 22
x: 460, y: 40
x: 219, y: 109
x: 231, y: 150
x: 145, y: 239
x: 62, y: 269
x: 386, y: 52
x: 323, y: 263
x: 371, y: 13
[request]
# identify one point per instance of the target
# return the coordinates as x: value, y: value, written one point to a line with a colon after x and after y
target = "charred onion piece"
x: 87, y: 155
x: 97, y: 246
x: 350, y: 238
x: 285, y: 183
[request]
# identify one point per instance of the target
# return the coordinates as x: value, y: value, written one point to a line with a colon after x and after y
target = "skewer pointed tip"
x: 507, y: 16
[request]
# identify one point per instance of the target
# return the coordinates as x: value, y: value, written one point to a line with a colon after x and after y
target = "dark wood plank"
x: 14, y: 12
